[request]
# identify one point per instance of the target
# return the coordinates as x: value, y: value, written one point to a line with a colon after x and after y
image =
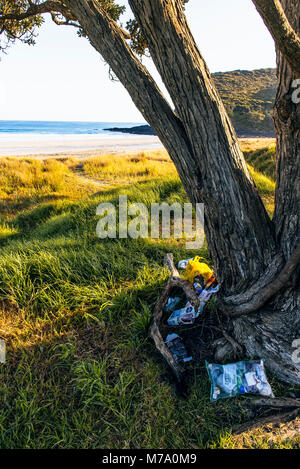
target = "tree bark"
x: 287, y: 123
x: 270, y: 334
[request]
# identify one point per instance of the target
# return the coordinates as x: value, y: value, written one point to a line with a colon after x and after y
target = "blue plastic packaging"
x: 245, y: 377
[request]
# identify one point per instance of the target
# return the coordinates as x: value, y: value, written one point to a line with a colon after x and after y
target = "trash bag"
x: 244, y: 377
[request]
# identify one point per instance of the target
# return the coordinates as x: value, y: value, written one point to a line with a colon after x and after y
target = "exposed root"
x: 238, y: 350
x: 223, y: 350
x: 270, y: 283
x: 283, y: 402
x: 270, y: 419
x: 154, y: 330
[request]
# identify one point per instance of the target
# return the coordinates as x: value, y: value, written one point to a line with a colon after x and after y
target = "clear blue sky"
x: 63, y: 78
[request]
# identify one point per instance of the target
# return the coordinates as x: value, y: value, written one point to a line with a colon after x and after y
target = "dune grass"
x: 129, y: 169
x: 74, y: 313
x: 27, y: 182
x: 263, y: 160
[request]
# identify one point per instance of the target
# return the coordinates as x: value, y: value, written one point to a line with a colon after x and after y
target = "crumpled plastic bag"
x: 171, y: 304
x: 183, y: 263
x: 188, y: 315
x: 244, y: 377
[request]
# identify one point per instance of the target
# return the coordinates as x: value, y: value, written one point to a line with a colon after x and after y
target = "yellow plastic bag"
x: 195, y: 268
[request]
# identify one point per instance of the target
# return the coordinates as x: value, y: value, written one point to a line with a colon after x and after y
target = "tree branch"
x: 287, y: 40
x: 67, y: 22
x: 34, y: 10
x: 278, y: 403
x: 271, y: 419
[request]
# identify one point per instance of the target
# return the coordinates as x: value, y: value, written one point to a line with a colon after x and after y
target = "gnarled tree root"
x: 154, y: 330
x: 276, y: 403
x: 269, y: 284
x: 270, y: 419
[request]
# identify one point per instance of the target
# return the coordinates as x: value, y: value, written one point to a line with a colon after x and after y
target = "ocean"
x: 49, y: 137
x: 17, y: 128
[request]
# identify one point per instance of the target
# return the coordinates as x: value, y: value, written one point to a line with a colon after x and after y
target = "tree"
x: 256, y: 259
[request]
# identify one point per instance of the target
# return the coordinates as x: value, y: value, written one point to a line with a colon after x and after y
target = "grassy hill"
x: 248, y: 97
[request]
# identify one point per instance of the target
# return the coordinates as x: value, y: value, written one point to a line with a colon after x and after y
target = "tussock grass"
x: 265, y: 185
x: 128, y: 169
x: 253, y: 144
x: 263, y: 160
x: 74, y: 313
x: 23, y: 183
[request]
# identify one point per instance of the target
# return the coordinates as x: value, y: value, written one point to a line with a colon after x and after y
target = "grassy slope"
x: 249, y: 97
x: 262, y: 165
x: 75, y: 310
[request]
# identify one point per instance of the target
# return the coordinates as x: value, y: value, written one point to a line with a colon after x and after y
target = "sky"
x: 63, y: 78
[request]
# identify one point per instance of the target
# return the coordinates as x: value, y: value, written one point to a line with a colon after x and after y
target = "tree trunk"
x: 277, y: 19
x: 270, y: 335
x: 247, y: 249
x: 287, y: 123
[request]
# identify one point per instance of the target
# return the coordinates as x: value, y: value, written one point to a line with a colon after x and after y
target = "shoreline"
x: 89, y: 147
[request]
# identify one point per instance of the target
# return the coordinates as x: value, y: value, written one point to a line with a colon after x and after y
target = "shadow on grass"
x: 105, y: 369
x: 14, y: 206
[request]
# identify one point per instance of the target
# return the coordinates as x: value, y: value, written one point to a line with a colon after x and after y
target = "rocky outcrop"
x: 137, y: 130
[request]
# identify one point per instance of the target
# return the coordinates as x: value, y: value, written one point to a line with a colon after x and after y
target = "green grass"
x: 24, y: 183
x: 262, y: 166
x: 263, y: 160
x: 249, y: 99
x: 81, y: 371
x: 130, y: 169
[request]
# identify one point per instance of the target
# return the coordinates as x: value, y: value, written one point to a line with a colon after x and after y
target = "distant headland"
x: 248, y: 97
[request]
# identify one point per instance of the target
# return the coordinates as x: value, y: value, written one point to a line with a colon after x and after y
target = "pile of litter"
x: 201, y: 276
x: 244, y: 377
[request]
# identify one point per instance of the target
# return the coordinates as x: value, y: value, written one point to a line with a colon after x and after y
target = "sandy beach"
x: 80, y: 146
x: 83, y: 146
